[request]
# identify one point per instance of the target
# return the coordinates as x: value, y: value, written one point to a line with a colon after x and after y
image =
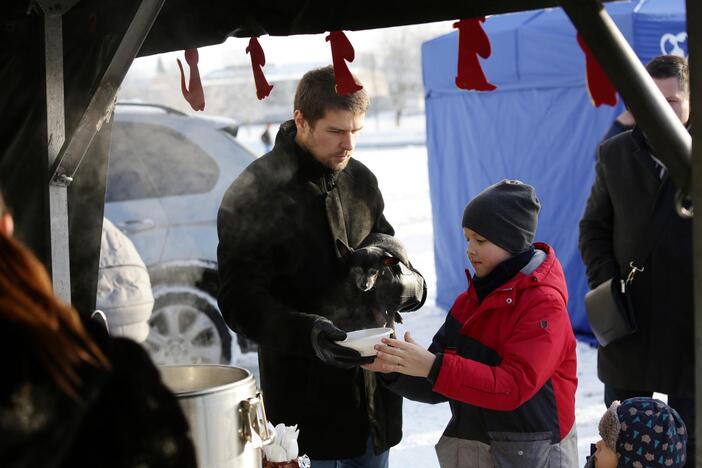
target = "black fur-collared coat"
x: 628, y: 202
x: 124, y: 417
x: 277, y: 255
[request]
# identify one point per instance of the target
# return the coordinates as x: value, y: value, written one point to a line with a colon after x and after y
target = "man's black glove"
x: 405, y: 290
x: 323, y: 336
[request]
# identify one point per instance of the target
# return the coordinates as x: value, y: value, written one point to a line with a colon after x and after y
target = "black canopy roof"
x: 186, y: 23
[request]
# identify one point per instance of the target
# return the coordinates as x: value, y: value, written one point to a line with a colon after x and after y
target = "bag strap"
x: 660, y: 216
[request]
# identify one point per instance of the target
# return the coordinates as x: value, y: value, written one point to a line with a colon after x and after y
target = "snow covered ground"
x: 401, y: 169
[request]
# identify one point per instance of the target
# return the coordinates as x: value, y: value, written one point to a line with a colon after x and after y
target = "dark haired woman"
x: 71, y: 396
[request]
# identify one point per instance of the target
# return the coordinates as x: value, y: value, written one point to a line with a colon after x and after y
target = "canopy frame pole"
x: 56, y: 134
x: 102, y: 103
x: 65, y: 155
x: 671, y: 142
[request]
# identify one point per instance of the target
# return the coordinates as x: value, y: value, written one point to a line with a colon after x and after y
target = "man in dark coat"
x: 633, y: 198
x: 279, y: 225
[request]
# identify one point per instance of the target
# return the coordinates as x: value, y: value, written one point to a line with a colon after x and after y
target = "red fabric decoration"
x: 342, y: 51
x: 472, y: 41
x: 598, y: 85
x: 195, y: 96
x: 258, y: 60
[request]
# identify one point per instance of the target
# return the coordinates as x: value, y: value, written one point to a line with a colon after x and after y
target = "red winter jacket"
x: 507, y: 364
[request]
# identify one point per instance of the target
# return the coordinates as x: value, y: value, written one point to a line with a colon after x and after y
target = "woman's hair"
x: 58, y: 336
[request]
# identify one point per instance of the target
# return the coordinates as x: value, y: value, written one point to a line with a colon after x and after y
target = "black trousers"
x: 684, y: 406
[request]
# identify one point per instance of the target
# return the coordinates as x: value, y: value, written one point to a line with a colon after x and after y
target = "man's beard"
x: 340, y: 165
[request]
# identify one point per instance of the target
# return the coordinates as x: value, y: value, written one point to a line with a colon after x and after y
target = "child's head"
x: 499, y: 223
x: 641, y: 432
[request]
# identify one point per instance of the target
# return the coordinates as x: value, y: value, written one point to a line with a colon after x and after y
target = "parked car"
x: 166, y: 178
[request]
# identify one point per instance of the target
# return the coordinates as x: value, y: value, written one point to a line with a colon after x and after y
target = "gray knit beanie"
x: 506, y: 214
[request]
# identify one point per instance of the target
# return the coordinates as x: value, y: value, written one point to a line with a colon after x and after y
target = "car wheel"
x: 187, y: 328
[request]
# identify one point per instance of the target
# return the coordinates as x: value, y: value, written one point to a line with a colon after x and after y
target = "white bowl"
x: 363, y: 341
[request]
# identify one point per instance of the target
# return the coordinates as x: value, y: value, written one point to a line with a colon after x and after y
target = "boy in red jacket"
x: 505, y: 356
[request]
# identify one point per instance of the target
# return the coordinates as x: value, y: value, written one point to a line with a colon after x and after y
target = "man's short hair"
x: 670, y: 66
x: 316, y: 94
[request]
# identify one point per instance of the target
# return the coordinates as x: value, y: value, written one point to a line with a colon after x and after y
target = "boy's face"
x: 483, y: 254
x: 605, y: 457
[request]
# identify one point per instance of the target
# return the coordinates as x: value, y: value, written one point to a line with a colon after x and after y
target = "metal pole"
x: 65, y: 156
x: 55, y: 118
x: 694, y: 38
x: 671, y: 142
x: 101, y: 104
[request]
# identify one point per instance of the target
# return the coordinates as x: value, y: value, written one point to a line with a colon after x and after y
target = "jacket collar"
x: 538, y: 271
x: 502, y: 273
x: 310, y: 168
x: 642, y: 140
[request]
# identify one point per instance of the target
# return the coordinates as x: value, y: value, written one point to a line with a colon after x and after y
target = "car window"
x: 173, y: 164
x: 238, y: 151
x: 127, y: 178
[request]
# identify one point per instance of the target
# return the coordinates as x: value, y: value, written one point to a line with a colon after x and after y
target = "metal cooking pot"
x: 225, y: 411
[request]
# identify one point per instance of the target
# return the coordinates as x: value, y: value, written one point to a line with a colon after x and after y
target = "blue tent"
x: 539, y: 126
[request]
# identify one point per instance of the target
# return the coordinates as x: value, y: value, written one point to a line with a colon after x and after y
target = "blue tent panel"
x: 539, y: 126
x: 660, y: 28
x: 529, y: 50
x: 554, y: 165
x: 549, y: 52
x: 440, y: 73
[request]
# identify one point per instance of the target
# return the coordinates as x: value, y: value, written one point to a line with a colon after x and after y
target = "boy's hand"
x: 405, y: 357
x: 376, y: 366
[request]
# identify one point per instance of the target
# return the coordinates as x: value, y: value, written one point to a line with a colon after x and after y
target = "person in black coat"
x: 266, y: 138
x: 623, y: 122
x: 632, y: 198
x: 279, y: 225
x: 71, y: 396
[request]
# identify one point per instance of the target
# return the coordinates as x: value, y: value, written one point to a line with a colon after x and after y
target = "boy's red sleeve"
x: 529, y: 358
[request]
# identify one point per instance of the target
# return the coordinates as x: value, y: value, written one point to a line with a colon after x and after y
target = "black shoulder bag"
x: 608, y: 306
x: 609, y: 309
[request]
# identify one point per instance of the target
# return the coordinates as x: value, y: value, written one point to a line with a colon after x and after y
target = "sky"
x: 306, y: 48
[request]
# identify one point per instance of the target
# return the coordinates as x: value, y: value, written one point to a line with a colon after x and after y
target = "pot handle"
x: 255, y: 424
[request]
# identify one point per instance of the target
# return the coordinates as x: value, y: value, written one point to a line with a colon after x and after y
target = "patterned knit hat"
x: 644, y: 433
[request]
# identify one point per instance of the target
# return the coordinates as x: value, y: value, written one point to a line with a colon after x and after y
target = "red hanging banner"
x: 598, y: 85
x: 472, y: 42
x: 258, y: 60
x: 342, y: 51
x: 194, y: 94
